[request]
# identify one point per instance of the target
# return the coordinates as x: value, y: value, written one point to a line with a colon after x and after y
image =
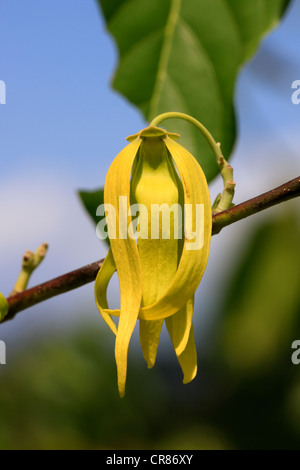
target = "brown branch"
x: 49, y: 289
x: 87, y: 274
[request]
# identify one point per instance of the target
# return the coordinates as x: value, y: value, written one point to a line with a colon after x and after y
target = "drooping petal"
x: 125, y: 253
x: 179, y: 326
x: 102, y: 280
x: 149, y: 338
x: 188, y: 359
x: 154, y: 184
x: 193, y: 261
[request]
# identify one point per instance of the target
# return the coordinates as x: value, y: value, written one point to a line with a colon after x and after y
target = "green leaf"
x: 185, y: 55
x: 91, y: 200
x: 3, y: 307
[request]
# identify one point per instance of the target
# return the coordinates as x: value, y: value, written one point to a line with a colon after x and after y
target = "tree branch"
x: 49, y: 289
x: 88, y: 273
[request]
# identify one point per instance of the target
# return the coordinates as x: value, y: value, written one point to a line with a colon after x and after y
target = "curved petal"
x: 149, y: 338
x: 125, y: 253
x: 155, y: 187
x: 188, y: 359
x: 193, y: 261
x: 179, y: 326
x: 102, y: 280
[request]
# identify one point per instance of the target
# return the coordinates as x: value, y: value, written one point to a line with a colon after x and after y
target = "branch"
x: 87, y: 274
x: 282, y: 193
x: 49, y: 289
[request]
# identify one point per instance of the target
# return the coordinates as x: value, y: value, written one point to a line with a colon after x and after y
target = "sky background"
x: 62, y: 126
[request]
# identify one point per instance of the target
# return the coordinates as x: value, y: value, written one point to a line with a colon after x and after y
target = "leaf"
x: 3, y: 307
x: 91, y: 200
x: 185, y: 56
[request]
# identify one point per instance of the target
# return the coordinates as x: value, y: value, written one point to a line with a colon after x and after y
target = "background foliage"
x: 59, y: 391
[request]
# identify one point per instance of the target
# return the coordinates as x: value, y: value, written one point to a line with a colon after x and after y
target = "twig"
x: 282, y: 193
x: 87, y: 274
x: 29, y: 264
x: 224, y: 200
x: 49, y: 289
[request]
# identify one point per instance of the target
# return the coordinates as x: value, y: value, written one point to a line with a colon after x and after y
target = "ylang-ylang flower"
x: 158, y: 274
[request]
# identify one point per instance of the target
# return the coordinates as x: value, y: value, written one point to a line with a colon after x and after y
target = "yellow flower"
x: 161, y: 265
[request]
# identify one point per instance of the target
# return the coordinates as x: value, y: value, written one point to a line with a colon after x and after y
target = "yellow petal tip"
x: 121, y: 389
x: 189, y: 377
x: 150, y: 364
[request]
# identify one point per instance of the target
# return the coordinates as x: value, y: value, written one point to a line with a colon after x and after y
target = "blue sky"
x: 62, y: 125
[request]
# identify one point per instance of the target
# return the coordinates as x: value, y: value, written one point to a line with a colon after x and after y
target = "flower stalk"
x: 223, y: 200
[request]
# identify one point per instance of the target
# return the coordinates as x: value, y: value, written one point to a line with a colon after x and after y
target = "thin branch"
x: 87, y: 274
x: 49, y: 289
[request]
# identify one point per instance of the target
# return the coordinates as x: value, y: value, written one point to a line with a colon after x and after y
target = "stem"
x: 176, y: 115
x: 30, y: 262
x: 224, y: 200
x: 282, y: 193
x: 49, y: 289
x: 87, y: 274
